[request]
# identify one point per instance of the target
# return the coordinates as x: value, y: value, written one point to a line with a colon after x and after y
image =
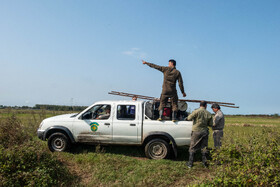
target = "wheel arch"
x: 162, y: 135
x: 60, y: 129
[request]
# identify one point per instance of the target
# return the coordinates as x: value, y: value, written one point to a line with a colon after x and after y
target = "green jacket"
x: 171, y: 75
x: 202, y: 119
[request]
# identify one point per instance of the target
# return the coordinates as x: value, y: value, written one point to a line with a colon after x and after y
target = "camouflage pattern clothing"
x: 218, y: 126
x: 202, y: 119
x: 199, y: 141
x: 171, y: 76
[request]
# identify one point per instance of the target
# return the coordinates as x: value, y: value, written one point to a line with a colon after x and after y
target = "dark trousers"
x: 173, y: 100
x: 199, y: 141
x: 217, y: 136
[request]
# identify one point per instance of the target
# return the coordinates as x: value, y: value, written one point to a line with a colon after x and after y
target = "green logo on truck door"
x: 94, y: 126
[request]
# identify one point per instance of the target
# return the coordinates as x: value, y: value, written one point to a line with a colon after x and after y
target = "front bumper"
x: 40, y: 134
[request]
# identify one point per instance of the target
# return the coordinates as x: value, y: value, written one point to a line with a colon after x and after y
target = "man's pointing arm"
x: 160, y: 68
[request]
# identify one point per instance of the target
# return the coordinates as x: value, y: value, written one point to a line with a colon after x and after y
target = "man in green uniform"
x: 202, y: 119
x: 171, y: 76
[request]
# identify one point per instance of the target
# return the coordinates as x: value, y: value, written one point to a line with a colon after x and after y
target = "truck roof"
x: 118, y: 101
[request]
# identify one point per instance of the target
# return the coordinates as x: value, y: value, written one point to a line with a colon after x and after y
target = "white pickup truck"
x: 120, y: 123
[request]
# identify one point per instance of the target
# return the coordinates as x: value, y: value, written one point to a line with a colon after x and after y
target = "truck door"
x: 126, y: 124
x: 94, y: 125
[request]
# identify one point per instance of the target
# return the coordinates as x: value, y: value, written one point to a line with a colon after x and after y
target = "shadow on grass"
x: 132, y: 151
x: 183, y: 154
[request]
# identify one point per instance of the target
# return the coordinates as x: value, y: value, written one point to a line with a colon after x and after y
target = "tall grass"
x: 27, y: 162
x: 249, y: 156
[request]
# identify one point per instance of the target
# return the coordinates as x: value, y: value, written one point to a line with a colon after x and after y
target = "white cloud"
x: 135, y: 49
x: 128, y: 52
x: 136, y: 53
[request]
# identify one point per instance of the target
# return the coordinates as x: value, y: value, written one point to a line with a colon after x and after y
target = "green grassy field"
x: 252, y: 120
x: 249, y: 156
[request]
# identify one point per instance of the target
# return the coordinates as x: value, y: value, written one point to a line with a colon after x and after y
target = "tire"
x: 157, y: 149
x: 58, y: 142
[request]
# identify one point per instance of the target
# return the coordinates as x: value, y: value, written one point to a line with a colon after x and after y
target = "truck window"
x: 149, y: 110
x: 126, y: 112
x: 98, y: 112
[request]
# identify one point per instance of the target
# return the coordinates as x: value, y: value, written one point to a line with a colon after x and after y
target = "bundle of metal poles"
x: 224, y: 104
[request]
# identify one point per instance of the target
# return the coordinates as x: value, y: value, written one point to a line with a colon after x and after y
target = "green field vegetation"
x: 249, y: 156
x: 253, y: 120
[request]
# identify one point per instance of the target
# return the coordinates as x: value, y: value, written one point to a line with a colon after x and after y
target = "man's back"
x: 171, y: 75
x: 201, y: 119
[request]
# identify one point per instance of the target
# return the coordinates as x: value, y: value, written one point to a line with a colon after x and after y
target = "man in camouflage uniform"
x: 171, y: 76
x: 218, y: 125
x: 202, y: 119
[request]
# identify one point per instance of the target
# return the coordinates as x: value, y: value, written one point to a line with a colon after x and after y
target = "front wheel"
x: 58, y: 142
x: 157, y: 149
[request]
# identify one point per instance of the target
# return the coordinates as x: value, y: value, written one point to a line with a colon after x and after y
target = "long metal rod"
x: 186, y: 100
x: 211, y: 102
x: 131, y: 95
x: 229, y: 106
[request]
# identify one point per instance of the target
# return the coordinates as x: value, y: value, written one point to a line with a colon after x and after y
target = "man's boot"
x: 160, y: 115
x: 174, y: 116
x: 190, y: 163
x: 204, y: 160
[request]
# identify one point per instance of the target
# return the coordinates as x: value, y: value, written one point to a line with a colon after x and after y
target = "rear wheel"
x: 157, y: 149
x: 58, y: 142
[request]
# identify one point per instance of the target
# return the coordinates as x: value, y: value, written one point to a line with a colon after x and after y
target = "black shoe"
x: 204, y: 160
x: 205, y: 164
x: 189, y: 164
x: 218, y: 163
x: 160, y: 115
x: 174, y: 116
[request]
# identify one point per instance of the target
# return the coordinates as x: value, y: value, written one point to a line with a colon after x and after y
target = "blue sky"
x: 64, y: 52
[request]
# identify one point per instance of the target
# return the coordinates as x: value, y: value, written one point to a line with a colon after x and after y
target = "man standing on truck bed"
x: 171, y: 75
x: 202, y: 119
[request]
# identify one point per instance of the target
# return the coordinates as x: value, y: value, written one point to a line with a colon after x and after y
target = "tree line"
x: 48, y: 107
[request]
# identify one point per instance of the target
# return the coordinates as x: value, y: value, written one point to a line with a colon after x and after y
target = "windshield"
x: 75, y: 115
x: 102, y: 111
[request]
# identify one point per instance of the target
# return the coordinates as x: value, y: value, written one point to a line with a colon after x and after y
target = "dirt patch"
x: 81, y: 177
x: 195, y: 175
x: 249, y: 125
x: 140, y: 158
